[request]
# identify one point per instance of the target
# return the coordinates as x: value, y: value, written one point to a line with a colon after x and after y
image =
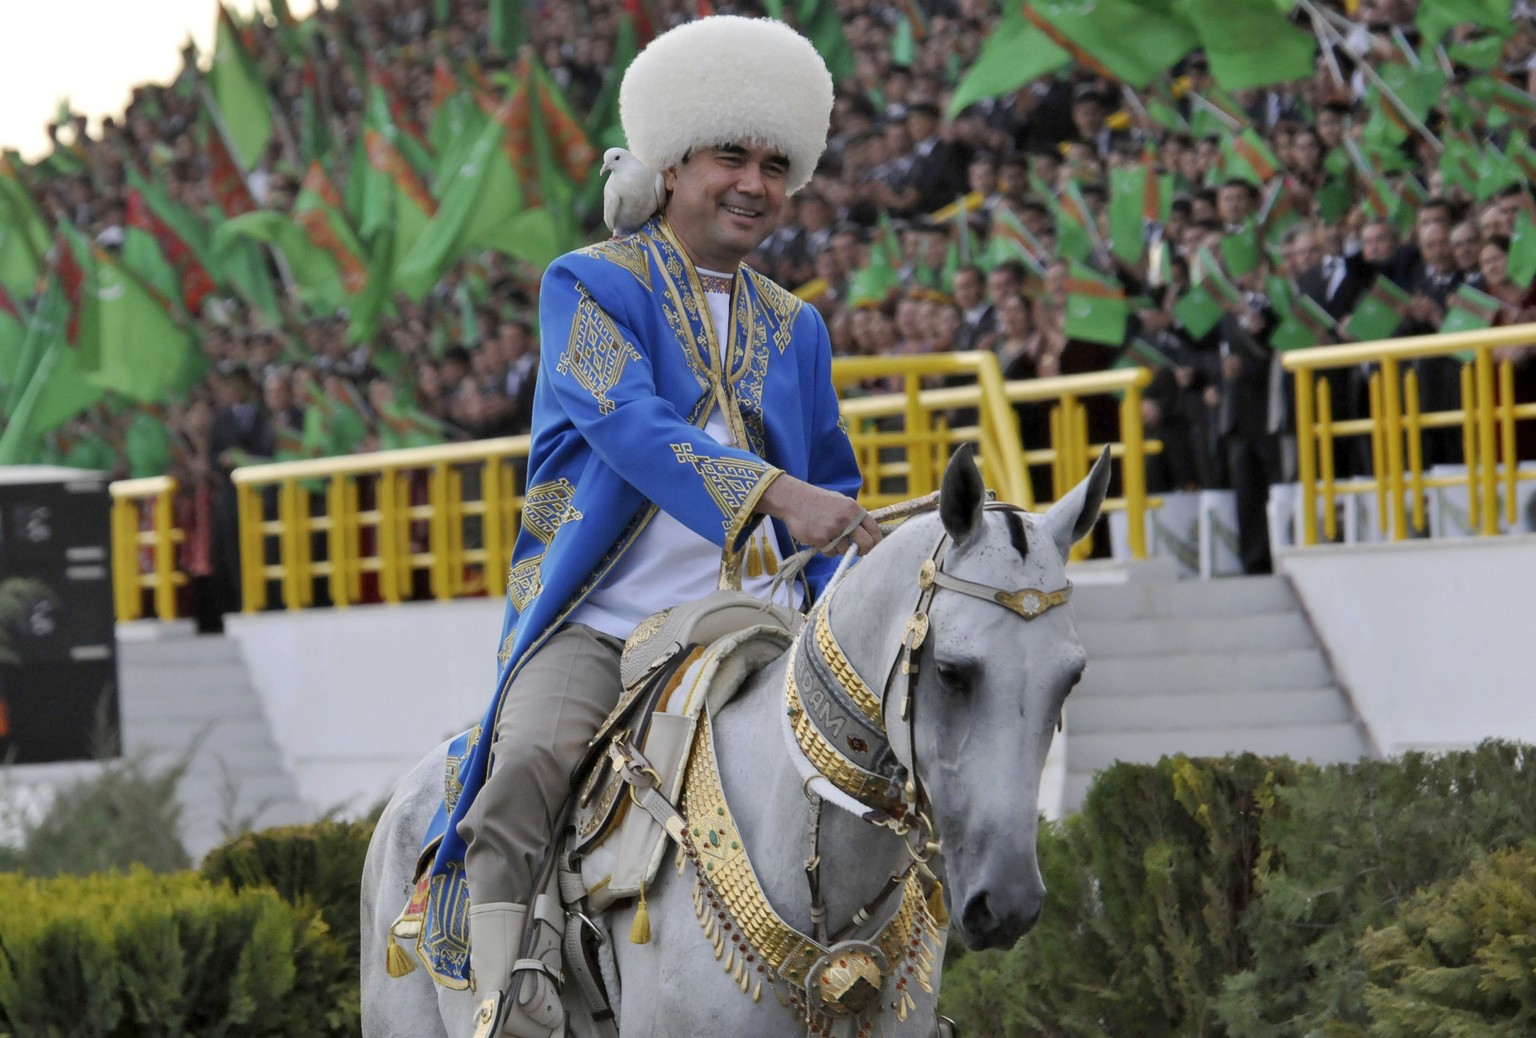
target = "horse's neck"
x: 773, y: 815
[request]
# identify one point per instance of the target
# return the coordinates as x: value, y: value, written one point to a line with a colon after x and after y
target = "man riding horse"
x: 685, y: 436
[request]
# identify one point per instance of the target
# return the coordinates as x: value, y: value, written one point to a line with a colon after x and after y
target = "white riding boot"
x: 494, y: 932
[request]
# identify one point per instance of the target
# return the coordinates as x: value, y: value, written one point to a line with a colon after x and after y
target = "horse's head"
x: 992, y: 676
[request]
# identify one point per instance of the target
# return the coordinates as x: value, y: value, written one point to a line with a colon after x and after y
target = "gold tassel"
x: 936, y: 905
x: 640, y: 929
x: 396, y: 960
x: 754, y: 559
x: 770, y: 560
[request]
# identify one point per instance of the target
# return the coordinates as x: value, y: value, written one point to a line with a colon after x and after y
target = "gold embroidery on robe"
x: 596, y: 353
x: 733, y: 485
x: 629, y: 253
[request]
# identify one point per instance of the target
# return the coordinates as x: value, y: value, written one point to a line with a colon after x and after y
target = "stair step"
x: 1168, y: 635
x: 210, y: 735
x: 1229, y: 596
x: 216, y: 693
x: 184, y: 650
x: 1322, y: 743
x: 1204, y: 672
x: 1190, y: 711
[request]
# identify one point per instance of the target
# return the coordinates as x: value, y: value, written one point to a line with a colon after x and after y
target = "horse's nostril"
x: 977, y: 917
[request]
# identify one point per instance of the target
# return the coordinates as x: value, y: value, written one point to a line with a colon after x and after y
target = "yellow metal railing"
x: 1396, y: 423
x: 406, y: 519
x: 904, y: 439
x: 145, y: 544
x: 440, y: 522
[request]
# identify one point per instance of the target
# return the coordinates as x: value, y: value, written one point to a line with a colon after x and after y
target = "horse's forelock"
x: 1016, y: 534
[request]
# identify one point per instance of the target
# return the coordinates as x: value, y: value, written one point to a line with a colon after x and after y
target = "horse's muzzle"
x: 990, y: 922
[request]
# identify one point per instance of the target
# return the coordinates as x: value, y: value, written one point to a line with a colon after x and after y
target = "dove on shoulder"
x: 634, y: 192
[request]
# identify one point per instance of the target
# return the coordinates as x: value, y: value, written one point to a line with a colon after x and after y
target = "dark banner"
x: 58, y: 649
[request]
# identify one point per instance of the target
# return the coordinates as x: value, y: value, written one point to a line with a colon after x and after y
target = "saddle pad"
x: 618, y: 850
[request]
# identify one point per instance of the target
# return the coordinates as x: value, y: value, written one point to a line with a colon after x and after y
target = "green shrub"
x: 319, y: 865
x: 1148, y: 884
x: 125, y: 815
x: 1461, y: 959
x: 144, y: 956
x: 1343, y: 849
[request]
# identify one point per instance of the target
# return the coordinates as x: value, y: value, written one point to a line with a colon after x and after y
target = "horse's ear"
x: 962, y: 495
x: 1072, y: 518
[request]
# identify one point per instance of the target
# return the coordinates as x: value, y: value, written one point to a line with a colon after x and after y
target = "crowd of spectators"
x: 464, y: 359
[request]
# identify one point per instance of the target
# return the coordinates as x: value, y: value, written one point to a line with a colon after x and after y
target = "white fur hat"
x: 724, y: 79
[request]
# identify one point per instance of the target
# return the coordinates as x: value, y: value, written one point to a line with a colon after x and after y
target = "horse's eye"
x: 954, y: 678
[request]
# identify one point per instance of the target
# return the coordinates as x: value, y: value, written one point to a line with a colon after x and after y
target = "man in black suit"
x: 1434, y: 279
x: 937, y: 176
x: 1466, y: 244
x: 241, y: 429
x: 1336, y: 283
x: 1247, y: 425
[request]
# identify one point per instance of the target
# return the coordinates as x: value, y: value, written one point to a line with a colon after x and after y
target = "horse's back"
x: 398, y: 1007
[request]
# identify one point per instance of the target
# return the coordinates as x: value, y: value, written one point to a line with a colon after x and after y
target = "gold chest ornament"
x: 840, y: 989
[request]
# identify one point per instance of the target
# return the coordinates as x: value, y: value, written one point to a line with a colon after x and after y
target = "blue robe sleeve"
x: 602, y: 374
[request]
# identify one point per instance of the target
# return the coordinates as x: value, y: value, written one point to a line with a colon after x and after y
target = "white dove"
x: 633, y: 194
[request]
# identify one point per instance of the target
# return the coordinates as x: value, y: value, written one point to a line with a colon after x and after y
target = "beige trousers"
x: 552, y: 709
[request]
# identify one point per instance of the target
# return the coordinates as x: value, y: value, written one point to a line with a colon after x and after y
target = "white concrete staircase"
x: 1203, y: 668
x: 185, y: 694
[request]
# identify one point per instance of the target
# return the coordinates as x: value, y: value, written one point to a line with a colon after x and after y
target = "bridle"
x: 844, y: 735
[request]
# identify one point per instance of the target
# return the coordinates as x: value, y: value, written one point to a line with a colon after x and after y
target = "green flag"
x: 1302, y: 323
x: 56, y: 386
x: 1240, y: 252
x: 13, y: 333
x: 1010, y: 239
x: 1406, y: 87
x: 19, y: 265
x: 1250, y: 43
x: 147, y: 443
x: 1127, y: 226
x: 23, y: 211
x: 508, y: 27
x: 141, y: 254
x: 1378, y: 313
x: 1469, y: 310
x: 24, y: 235
x: 1248, y: 156
x: 145, y: 353
x: 402, y: 426
x: 822, y: 24
x: 1437, y: 17
x: 394, y: 195
x: 482, y: 196
x: 1097, y: 310
x: 1482, y: 53
x: 1013, y: 54
x: 1496, y: 170
x: 1334, y: 199
x: 878, y: 279
x: 1133, y: 42
x: 241, y: 93
x: 1198, y: 311
x: 1522, y: 250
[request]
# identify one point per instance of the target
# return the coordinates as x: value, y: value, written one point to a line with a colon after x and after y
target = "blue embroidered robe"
x: 628, y: 375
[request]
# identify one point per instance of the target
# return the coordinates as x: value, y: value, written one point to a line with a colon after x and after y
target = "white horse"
x: 994, y: 669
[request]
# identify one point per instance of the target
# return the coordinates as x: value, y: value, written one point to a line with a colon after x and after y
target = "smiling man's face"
x: 725, y: 200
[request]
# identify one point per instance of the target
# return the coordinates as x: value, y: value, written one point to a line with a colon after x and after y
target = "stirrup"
x: 522, y: 996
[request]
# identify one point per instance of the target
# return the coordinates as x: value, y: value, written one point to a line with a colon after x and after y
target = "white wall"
x: 356, y: 697
x: 1434, y: 640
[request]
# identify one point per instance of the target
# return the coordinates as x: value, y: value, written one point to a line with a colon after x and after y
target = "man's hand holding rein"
x: 818, y: 517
